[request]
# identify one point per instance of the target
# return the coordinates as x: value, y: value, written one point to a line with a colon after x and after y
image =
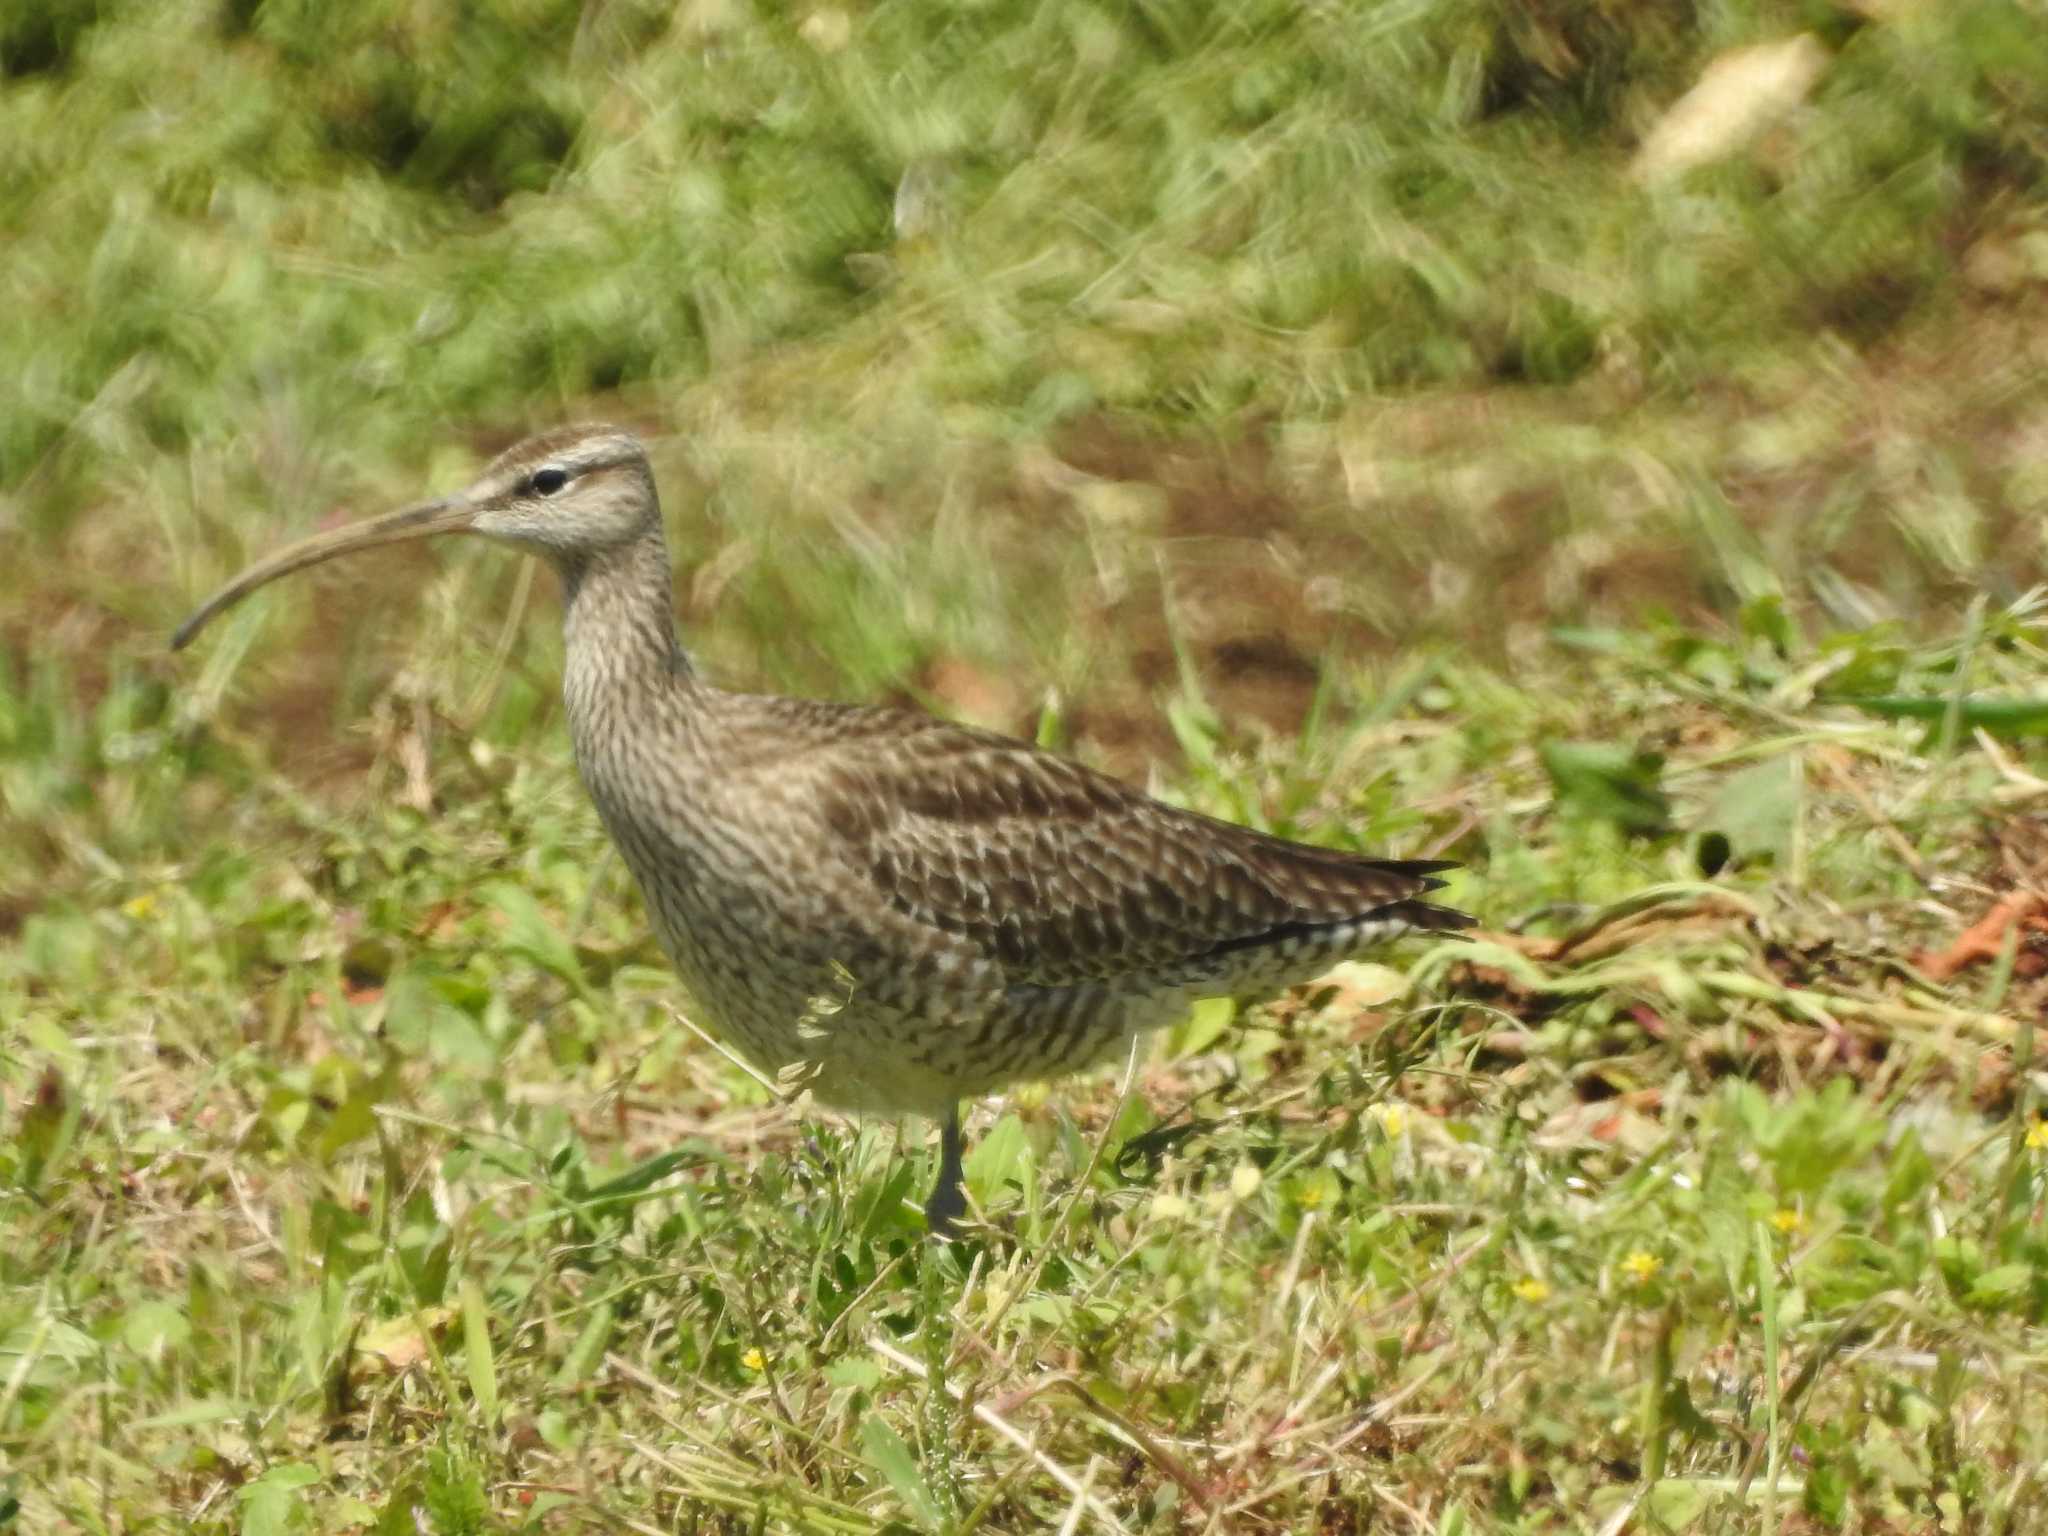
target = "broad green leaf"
x: 46, y: 1352
x: 1890, y: 1460
x: 1755, y: 809
x: 1764, y: 618
x: 1997, y: 1286
x: 889, y: 1455
x: 454, y: 1496
x: 854, y: 1372
x: 270, y: 1502
x: 397, y: 1516
x: 1675, y: 1502
x: 477, y: 1358
x: 353, y: 1119
x: 1608, y: 782
x: 998, y: 1158
x: 530, y: 934
x: 152, y: 1328
x: 1202, y: 1028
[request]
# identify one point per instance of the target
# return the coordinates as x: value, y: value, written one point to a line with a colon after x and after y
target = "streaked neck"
x: 618, y: 625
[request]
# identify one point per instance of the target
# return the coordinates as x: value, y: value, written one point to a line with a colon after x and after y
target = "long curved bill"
x: 450, y: 514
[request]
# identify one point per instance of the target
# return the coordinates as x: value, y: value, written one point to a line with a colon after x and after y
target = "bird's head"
x: 570, y: 494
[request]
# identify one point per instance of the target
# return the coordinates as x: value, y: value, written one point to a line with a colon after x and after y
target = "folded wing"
x: 1061, y: 875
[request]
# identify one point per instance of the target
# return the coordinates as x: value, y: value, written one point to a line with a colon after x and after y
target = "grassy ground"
x: 1298, y: 408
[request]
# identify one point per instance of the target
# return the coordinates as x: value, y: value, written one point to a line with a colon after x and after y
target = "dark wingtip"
x: 1421, y: 871
x: 1428, y: 917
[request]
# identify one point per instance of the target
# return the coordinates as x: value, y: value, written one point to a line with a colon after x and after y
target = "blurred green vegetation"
x: 1061, y: 342
x: 1312, y: 408
x: 398, y: 217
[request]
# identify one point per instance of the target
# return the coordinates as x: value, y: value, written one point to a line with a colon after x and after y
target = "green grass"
x: 361, y: 1163
x: 1295, y: 407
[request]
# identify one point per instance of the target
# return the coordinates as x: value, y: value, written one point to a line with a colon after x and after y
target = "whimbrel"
x: 977, y: 911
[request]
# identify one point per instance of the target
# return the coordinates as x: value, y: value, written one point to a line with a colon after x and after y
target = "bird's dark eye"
x: 548, y: 481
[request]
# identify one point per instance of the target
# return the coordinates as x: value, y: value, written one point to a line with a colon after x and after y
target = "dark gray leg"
x: 948, y: 1202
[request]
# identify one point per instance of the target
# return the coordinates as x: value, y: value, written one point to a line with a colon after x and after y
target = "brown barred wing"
x: 1062, y: 875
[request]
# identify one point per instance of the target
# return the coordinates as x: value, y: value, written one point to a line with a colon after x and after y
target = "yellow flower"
x: 754, y: 1360
x: 1788, y: 1221
x: 1530, y: 1289
x: 139, y: 907
x: 2037, y: 1136
x: 1393, y: 1120
x: 1641, y: 1267
x: 1245, y: 1180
